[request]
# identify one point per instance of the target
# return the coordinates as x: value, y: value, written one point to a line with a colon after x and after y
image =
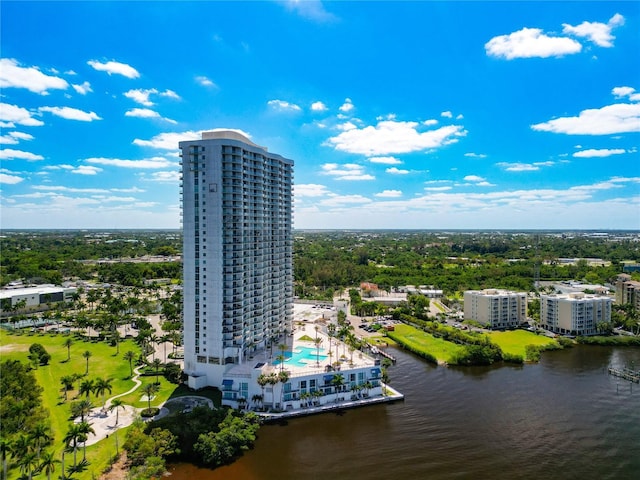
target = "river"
x: 563, y: 418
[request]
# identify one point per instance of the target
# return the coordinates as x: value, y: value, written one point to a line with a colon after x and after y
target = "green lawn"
x: 104, y: 362
x: 515, y: 341
x: 439, y: 348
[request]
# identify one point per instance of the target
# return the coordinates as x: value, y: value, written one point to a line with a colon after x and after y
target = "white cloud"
x: 310, y: 190
x: 393, y: 137
x: 12, y: 138
x: 165, y: 177
x: 60, y: 188
x: 446, y: 114
x: 113, y: 67
x: 7, y: 179
x: 518, y: 167
x: 598, y: 33
x: 396, y: 171
x: 168, y: 140
x: 141, y: 96
x: 283, y: 106
x: 146, y: 113
x: 128, y: 190
x: 10, y: 154
x: 530, y: 42
x: 389, y: 194
x: 617, y: 118
x: 460, y: 116
x: 170, y: 94
x: 142, y: 113
x: 318, y: 107
x: 340, y: 200
x: 154, y: 162
x: 473, y: 178
x: 17, y: 115
x: 603, y: 152
x: 83, y: 89
x: 385, y: 160
x: 430, y: 122
x: 347, y: 106
x: 444, y: 188
x: 69, y: 113
x: 346, y: 126
x: 348, y: 171
x: 310, y: 9
x: 31, y: 78
x: 86, y: 170
x: 205, y: 82
x: 475, y: 155
x: 621, y: 92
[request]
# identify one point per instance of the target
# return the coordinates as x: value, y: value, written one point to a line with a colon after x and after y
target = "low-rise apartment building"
x: 497, y: 309
x: 574, y: 313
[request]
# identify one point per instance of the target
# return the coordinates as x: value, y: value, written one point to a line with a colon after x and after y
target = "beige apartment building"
x: 627, y: 291
x: 498, y: 309
x: 574, y: 313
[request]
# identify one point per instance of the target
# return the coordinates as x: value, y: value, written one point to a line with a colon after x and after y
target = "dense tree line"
x: 454, y: 262
x: 51, y: 256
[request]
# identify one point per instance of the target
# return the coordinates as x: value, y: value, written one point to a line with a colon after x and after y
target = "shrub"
x: 38, y: 351
x: 512, y: 358
x: 149, y: 412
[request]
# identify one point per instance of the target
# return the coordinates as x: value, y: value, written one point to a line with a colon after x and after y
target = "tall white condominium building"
x: 574, y: 313
x: 237, y: 252
x: 496, y: 308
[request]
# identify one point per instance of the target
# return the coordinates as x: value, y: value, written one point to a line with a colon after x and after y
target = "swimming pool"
x: 302, y: 356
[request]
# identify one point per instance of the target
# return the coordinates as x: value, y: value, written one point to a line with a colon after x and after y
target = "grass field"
x: 442, y: 350
x: 104, y: 362
x: 515, y: 341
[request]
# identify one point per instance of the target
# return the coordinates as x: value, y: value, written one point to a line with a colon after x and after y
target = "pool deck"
x: 270, y: 417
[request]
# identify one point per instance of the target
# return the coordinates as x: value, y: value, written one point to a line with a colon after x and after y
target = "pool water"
x: 302, y: 356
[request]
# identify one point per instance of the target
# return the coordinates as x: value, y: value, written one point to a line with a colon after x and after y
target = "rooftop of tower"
x: 224, y: 134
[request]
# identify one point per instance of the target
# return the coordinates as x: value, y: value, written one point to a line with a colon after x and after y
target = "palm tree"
x: 67, y: 384
x: 83, y: 407
x: 85, y: 429
x: 283, y: 377
x: 262, y: 381
x: 86, y: 387
x: 317, y: 341
x: 117, y: 404
x: 67, y: 343
x: 337, y: 381
x: 149, y: 390
x: 73, y: 436
x: 157, y: 363
x: 28, y: 463
x: 40, y: 435
x: 87, y: 354
x: 101, y: 386
x: 130, y: 356
x: 5, y: 451
x: 48, y: 464
x: 272, y: 379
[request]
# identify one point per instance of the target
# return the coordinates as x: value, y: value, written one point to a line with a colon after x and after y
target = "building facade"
x: 574, y: 313
x: 497, y: 309
x: 237, y: 252
x: 627, y: 291
x: 34, y: 298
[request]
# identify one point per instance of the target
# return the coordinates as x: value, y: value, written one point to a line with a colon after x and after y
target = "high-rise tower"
x: 237, y: 252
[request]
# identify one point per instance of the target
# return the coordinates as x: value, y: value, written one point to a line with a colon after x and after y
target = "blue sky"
x: 436, y: 115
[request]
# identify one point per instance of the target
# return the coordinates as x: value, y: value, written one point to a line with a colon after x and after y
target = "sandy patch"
x: 12, y: 347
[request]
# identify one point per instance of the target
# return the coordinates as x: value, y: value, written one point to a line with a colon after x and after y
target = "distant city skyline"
x: 418, y: 115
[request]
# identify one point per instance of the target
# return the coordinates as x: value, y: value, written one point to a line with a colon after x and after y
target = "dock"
x: 626, y: 373
x: 377, y: 351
